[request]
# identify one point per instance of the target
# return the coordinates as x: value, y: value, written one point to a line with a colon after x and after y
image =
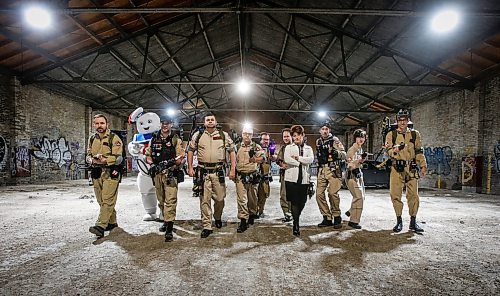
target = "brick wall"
x: 462, y: 124
x: 47, y: 134
x: 6, y: 130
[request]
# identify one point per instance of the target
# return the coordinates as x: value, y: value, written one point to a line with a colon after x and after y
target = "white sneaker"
x: 149, y: 217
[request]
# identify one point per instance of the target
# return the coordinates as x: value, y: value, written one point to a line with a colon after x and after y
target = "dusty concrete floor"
x: 46, y: 248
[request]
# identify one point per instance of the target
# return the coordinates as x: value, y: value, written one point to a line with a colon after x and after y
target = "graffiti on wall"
x: 496, y: 151
x: 22, y: 162
x: 438, y: 160
x: 468, y: 170
x: 3, y: 154
x: 75, y: 168
x: 56, y: 151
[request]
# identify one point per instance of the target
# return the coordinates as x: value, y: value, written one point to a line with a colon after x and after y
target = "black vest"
x: 324, y: 149
x: 162, y: 149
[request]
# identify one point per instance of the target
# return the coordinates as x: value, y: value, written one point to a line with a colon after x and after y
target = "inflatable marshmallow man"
x: 147, y: 124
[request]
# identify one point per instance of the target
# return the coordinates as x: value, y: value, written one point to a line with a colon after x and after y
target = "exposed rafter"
x: 317, y: 84
x: 253, y: 10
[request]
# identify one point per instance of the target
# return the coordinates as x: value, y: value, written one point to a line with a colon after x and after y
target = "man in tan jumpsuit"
x: 330, y: 154
x: 265, y: 170
x: 355, y: 159
x: 404, y: 146
x: 104, y: 152
x: 165, y: 154
x: 279, y: 158
x: 212, y: 145
x: 248, y: 157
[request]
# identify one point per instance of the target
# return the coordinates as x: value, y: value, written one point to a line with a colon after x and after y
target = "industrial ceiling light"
x: 38, y: 17
x: 247, y: 125
x: 445, y: 21
x: 322, y: 114
x: 170, y: 112
x: 243, y: 86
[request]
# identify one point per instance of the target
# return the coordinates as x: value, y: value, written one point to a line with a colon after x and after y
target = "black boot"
x: 325, y: 222
x: 169, y: 236
x: 111, y: 226
x: 399, y: 225
x: 414, y: 225
x: 337, y: 222
x: 218, y: 223
x: 251, y: 220
x: 206, y: 232
x: 163, y: 227
x: 354, y: 225
x: 97, y: 230
x: 348, y: 213
x: 296, y: 229
x: 243, y: 226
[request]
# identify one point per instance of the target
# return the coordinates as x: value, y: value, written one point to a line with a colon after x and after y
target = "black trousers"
x: 297, y: 195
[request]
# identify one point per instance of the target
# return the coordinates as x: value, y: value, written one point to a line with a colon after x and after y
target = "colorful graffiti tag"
x: 438, y: 160
x: 22, y: 162
x: 468, y: 170
x: 3, y: 154
x: 496, y: 151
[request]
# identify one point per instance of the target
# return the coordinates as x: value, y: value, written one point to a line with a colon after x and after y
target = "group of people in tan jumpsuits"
x: 250, y: 168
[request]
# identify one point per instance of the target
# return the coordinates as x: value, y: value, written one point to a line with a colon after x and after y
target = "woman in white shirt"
x: 298, y: 156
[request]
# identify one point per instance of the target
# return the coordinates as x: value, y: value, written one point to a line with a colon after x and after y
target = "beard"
x: 101, y: 130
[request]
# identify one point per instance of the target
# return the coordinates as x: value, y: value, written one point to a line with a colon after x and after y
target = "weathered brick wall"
x: 6, y: 131
x: 52, y: 127
x: 375, y: 141
x: 46, y: 134
x: 459, y: 125
x: 490, y: 137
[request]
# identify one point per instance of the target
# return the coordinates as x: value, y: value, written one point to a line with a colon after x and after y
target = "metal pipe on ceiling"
x: 267, y: 110
x: 317, y: 84
x: 254, y: 10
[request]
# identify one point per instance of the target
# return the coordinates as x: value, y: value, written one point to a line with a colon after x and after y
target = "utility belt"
x: 176, y: 174
x: 266, y: 178
x: 209, y: 165
x: 249, y: 178
x: 336, y: 167
x: 113, y: 170
x: 400, y: 165
x: 354, y: 174
x: 202, y: 172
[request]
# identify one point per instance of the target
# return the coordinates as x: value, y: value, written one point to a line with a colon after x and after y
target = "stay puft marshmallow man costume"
x: 147, y: 124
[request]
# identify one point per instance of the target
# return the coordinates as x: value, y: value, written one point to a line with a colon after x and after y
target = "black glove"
x: 166, y: 164
x: 335, y: 154
x: 153, y: 169
x: 251, y: 153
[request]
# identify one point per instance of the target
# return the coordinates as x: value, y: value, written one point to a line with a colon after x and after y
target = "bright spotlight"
x: 38, y: 17
x: 243, y: 87
x: 170, y: 112
x: 247, y: 128
x: 322, y: 114
x: 247, y: 125
x: 445, y: 21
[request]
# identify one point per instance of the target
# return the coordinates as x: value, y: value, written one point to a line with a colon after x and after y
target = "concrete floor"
x: 46, y: 248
